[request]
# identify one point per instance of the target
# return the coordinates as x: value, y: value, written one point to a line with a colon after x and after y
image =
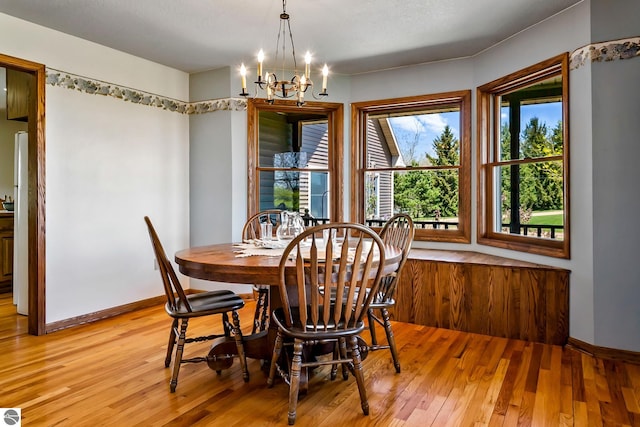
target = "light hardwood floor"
x: 111, y: 373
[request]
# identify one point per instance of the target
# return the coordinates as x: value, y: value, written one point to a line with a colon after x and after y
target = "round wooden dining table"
x: 221, y: 263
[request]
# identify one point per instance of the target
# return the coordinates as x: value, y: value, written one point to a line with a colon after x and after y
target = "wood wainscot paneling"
x: 485, y: 294
x: 6, y: 252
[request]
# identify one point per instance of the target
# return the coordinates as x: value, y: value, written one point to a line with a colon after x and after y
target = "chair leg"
x: 178, y: 361
x: 294, y: 378
x: 343, y: 355
x: 336, y: 356
x: 391, y: 339
x: 237, y: 335
x: 265, y: 310
x: 277, y: 348
x: 172, y: 342
x: 256, y: 315
x: 226, y: 325
x: 371, y: 318
x: 358, y: 372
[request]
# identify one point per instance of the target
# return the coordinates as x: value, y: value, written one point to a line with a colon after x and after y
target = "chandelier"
x: 297, y: 85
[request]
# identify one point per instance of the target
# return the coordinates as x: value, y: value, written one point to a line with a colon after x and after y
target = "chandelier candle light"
x: 298, y: 84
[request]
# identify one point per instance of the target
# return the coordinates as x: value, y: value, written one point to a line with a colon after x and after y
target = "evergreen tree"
x: 505, y: 154
x: 541, y: 182
x: 414, y: 193
x: 445, y: 181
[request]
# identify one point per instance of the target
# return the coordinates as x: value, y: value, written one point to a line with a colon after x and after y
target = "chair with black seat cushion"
x: 310, y: 316
x: 182, y: 307
x: 253, y: 231
x: 398, y: 231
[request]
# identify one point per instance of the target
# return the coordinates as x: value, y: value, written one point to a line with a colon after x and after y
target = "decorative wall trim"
x: 605, y: 51
x: 97, y: 87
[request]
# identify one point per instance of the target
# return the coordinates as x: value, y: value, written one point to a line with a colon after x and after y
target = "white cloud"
x: 433, y: 122
x: 407, y: 124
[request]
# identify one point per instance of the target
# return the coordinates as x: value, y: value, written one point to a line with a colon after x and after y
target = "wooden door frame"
x: 36, y: 190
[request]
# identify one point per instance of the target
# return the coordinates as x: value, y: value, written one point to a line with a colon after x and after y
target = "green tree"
x: 505, y: 154
x: 445, y: 181
x: 541, y: 182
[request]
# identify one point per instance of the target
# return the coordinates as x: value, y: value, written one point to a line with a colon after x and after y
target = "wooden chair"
x: 397, y: 231
x: 182, y: 307
x: 251, y: 230
x: 309, y: 316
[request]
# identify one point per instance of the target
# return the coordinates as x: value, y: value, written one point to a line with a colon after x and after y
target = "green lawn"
x: 537, y: 218
x: 546, y: 219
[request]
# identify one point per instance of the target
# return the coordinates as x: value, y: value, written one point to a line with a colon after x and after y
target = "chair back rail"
x: 398, y: 231
x: 251, y: 229
x: 170, y: 280
x: 322, y: 272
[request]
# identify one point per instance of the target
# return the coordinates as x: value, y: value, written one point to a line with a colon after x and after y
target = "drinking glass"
x: 329, y: 234
x: 266, y: 231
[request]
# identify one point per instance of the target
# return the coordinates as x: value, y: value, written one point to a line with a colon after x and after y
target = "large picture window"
x: 523, y: 148
x: 412, y: 155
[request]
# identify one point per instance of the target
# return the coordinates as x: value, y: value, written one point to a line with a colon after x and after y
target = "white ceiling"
x: 352, y: 36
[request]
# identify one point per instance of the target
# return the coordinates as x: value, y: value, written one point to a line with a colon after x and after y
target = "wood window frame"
x: 359, y: 113
x: 335, y: 124
x: 488, y: 127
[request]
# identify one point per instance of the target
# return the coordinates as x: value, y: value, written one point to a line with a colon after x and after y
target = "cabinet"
x: 6, y: 252
x: 18, y: 90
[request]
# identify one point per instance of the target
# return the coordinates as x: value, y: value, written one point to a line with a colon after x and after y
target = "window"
x: 523, y: 172
x: 295, y: 158
x: 412, y: 155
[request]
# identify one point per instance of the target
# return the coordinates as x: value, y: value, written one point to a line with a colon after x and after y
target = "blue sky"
x: 549, y: 113
x: 429, y: 126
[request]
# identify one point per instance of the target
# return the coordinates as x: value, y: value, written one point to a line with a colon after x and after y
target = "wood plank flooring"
x: 111, y: 373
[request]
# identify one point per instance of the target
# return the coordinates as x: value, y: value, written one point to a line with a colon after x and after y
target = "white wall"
x: 108, y: 163
x: 615, y: 110
x: 218, y: 156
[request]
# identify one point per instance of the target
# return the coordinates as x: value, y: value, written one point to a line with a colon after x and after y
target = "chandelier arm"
x: 255, y: 92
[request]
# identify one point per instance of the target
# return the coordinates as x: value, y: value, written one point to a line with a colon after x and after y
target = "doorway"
x: 36, y: 187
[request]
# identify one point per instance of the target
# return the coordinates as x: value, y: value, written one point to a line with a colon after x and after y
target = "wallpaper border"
x: 605, y: 51
x: 98, y: 87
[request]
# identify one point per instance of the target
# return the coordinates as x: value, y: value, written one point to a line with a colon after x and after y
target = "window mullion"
x: 514, y: 173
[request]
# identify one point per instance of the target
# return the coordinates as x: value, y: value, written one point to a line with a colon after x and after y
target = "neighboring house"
x: 382, y: 151
x: 288, y: 141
